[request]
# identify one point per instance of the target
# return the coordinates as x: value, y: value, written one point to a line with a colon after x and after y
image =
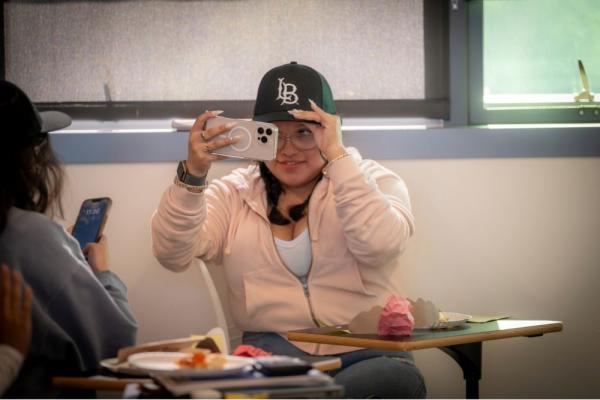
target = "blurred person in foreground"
x: 80, y: 313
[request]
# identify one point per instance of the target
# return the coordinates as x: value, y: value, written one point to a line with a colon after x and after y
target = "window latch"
x: 585, y: 95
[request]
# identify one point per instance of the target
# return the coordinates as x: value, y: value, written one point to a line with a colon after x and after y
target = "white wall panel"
x: 516, y: 236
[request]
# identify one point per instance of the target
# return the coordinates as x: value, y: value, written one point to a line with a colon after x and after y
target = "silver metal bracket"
x: 585, y: 95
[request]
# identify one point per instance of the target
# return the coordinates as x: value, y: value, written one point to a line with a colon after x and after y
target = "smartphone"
x: 282, y: 365
x: 255, y: 140
x: 91, y: 220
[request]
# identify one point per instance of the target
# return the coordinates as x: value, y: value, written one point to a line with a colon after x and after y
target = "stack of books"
x: 312, y: 384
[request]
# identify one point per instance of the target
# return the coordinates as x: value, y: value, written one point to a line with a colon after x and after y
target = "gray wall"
x: 215, y: 50
x: 513, y: 235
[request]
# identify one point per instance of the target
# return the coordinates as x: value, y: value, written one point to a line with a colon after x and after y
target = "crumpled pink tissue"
x: 246, y: 350
x: 396, y: 318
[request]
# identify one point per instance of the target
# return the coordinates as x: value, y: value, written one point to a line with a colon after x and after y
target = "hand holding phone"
x: 254, y: 140
x: 96, y: 254
x: 91, y: 220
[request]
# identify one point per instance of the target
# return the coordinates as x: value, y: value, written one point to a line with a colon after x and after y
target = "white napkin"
x: 182, y: 124
x: 366, y: 322
x: 425, y: 313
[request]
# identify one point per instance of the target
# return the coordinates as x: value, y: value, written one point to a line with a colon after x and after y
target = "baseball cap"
x: 19, y: 116
x: 289, y: 87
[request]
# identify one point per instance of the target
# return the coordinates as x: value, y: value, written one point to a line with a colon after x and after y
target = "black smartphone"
x: 91, y: 220
x: 282, y: 365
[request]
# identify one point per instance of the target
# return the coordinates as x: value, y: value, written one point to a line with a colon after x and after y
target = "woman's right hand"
x: 200, y: 147
x: 96, y: 254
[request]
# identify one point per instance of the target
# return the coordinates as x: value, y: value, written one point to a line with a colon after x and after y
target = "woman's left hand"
x: 328, y: 134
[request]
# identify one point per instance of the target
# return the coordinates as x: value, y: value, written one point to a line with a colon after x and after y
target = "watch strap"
x: 188, y: 179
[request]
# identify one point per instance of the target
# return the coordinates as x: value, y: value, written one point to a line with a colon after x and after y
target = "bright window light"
x: 532, y: 49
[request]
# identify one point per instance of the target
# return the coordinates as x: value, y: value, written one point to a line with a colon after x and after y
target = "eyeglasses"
x: 302, y: 140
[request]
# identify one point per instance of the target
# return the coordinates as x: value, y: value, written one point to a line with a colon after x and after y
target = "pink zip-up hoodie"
x: 359, y: 220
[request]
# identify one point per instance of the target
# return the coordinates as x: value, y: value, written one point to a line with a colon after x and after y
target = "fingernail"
x: 217, y: 112
x: 311, y: 102
x: 229, y: 125
x: 294, y: 111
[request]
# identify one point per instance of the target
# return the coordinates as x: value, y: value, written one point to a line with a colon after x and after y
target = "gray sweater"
x: 78, y: 318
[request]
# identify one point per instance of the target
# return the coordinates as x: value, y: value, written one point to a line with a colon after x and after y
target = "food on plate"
x: 202, y: 359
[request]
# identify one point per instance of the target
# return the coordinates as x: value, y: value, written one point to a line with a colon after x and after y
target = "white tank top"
x: 296, y: 254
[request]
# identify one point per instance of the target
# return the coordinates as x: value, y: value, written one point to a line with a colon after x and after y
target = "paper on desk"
x: 366, y: 322
x: 487, y: 318
x: 425, y: 312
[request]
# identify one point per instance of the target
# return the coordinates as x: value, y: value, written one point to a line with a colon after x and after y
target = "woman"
x: 308, y: 238
x: 80, y: 313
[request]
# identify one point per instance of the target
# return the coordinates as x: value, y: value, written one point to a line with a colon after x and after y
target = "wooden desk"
x: 95, y: 383
x: 463, y: 344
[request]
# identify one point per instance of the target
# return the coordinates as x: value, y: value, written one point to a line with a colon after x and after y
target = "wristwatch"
x: 191, y: 182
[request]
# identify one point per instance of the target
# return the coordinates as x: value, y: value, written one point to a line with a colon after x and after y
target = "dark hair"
x: 274, y: 189
x: 32, y: 178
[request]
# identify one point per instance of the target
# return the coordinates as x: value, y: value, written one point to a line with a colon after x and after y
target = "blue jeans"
x: 368, y: 373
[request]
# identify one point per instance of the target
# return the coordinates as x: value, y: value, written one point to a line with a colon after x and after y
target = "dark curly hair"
x: 274, y: 189
x: 32, y: 177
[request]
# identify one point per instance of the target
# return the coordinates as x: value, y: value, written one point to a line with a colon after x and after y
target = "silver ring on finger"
x: 202, y: 136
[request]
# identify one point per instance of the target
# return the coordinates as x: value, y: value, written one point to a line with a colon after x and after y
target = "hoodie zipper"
x: 304, y: 282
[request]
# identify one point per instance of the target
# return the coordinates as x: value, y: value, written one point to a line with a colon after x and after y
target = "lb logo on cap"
x: 287, y: 92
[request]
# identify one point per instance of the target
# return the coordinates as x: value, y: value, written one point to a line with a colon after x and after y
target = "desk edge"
x: 425, y: 344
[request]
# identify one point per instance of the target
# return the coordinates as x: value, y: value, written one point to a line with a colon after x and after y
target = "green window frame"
x: 528, y: 111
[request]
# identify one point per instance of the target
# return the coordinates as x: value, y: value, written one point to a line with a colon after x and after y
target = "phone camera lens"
x: 261, y: 131
x: 269, y: 131
x: 263, y: 139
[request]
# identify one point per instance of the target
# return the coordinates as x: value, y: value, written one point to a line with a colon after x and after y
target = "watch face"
x: 181, y: 171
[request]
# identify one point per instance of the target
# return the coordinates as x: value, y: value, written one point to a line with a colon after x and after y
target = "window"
x: 534, y: 61
x: 140, y: 59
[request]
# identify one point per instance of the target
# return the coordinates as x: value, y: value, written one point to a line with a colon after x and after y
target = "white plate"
x: 113, y: 365
x: 166, y: 363
x: 454, y: 320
